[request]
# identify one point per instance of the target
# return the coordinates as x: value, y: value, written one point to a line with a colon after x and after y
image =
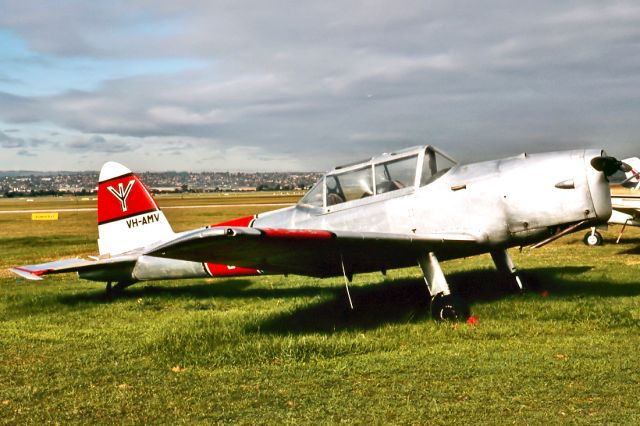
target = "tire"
x: 593, y: 240
x: 449, y: 308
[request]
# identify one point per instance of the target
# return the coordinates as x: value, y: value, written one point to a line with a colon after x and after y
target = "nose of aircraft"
x: 598, y: 166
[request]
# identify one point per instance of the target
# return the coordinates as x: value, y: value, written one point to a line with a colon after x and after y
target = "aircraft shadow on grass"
x: 632, y: 250
x: 393, y: 301
x: 226, y: 289
x: 406, y: 300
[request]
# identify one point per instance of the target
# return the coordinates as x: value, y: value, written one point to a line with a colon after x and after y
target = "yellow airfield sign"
x: 44, y: 216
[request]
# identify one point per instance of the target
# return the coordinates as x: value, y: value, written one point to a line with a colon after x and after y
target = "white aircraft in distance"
x: 407, y: 208
x: 625, y: 201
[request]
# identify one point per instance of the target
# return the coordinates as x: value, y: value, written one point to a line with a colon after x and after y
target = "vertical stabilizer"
x: 128, y: 216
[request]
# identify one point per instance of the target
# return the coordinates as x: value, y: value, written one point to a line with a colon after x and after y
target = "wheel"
x: 449, y: 307
x: 594, y: 239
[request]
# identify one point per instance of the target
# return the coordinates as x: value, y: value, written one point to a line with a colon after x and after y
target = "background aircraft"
x: 414, y: 207
x: 625, y: 201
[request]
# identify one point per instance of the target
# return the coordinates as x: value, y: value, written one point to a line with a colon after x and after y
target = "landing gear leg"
x: 120, y: 285
x: 444, y: 305
x: 504, y: 264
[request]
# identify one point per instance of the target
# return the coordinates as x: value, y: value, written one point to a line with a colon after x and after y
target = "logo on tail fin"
x: 122, y: 193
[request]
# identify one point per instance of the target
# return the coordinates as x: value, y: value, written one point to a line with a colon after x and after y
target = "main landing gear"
x: 444, y: 305
x: 505, y: 265
x: 117, y: 289
x: 447, y: 306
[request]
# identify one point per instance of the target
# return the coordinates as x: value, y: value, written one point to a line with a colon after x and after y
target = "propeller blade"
x: 609, y: 165
x: 630, y: 178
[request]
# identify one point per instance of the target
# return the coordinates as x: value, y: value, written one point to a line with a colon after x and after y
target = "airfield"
x: 288, y: 350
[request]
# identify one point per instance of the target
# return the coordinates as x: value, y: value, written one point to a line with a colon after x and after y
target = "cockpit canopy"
x: 386, y: 173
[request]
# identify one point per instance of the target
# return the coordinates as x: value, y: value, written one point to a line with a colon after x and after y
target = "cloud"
x: 323, y: 83
x: 7, y: 141
x: 9, y: 80
x: 25, y: 153
x: 595, y: 14
x: 172, y: 115
x: 97, y: 143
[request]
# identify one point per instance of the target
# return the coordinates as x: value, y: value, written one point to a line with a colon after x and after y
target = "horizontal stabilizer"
x: 25, y: 274
x: 35, y: 272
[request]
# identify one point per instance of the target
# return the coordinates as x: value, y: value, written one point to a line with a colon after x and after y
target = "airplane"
x: 625, y: 201
x: 415, y: 207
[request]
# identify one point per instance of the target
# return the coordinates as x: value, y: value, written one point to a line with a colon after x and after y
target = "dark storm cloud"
x: 328, y: 81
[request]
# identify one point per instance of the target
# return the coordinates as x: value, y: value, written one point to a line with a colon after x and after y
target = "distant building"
x: 84, y: 183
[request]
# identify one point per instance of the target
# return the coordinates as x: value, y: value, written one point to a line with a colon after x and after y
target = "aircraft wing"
x: 309, y: 252
x: 35, y: 272
x: 628, y: 210
x: 628, y: 204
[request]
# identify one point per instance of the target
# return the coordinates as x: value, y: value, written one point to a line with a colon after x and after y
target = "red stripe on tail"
x: 123, y: 197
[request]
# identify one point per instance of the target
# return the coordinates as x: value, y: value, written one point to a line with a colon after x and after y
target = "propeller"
x: 609, y: 165
x: 630, y: 178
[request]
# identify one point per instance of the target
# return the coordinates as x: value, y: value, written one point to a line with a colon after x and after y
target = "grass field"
x: 274, y: 349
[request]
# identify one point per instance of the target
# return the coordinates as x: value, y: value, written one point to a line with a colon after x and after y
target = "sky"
x: 303, y: 86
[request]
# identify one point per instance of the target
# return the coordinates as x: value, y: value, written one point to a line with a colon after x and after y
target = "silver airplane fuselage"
x: 501, y: 203
x: 497, y: 204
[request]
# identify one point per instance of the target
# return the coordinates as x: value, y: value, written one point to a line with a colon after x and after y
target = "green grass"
x: 274, y: 349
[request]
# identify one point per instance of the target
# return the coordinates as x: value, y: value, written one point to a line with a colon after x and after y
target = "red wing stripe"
x: 297, y: 233
x: 218, y: 270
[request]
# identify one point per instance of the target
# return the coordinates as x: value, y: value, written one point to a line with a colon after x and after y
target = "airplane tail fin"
x: 128, y: 216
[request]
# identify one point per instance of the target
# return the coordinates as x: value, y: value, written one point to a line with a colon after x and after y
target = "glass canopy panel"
x: 351, y: 185
x: 395, y: 174
x: 434, y: 166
